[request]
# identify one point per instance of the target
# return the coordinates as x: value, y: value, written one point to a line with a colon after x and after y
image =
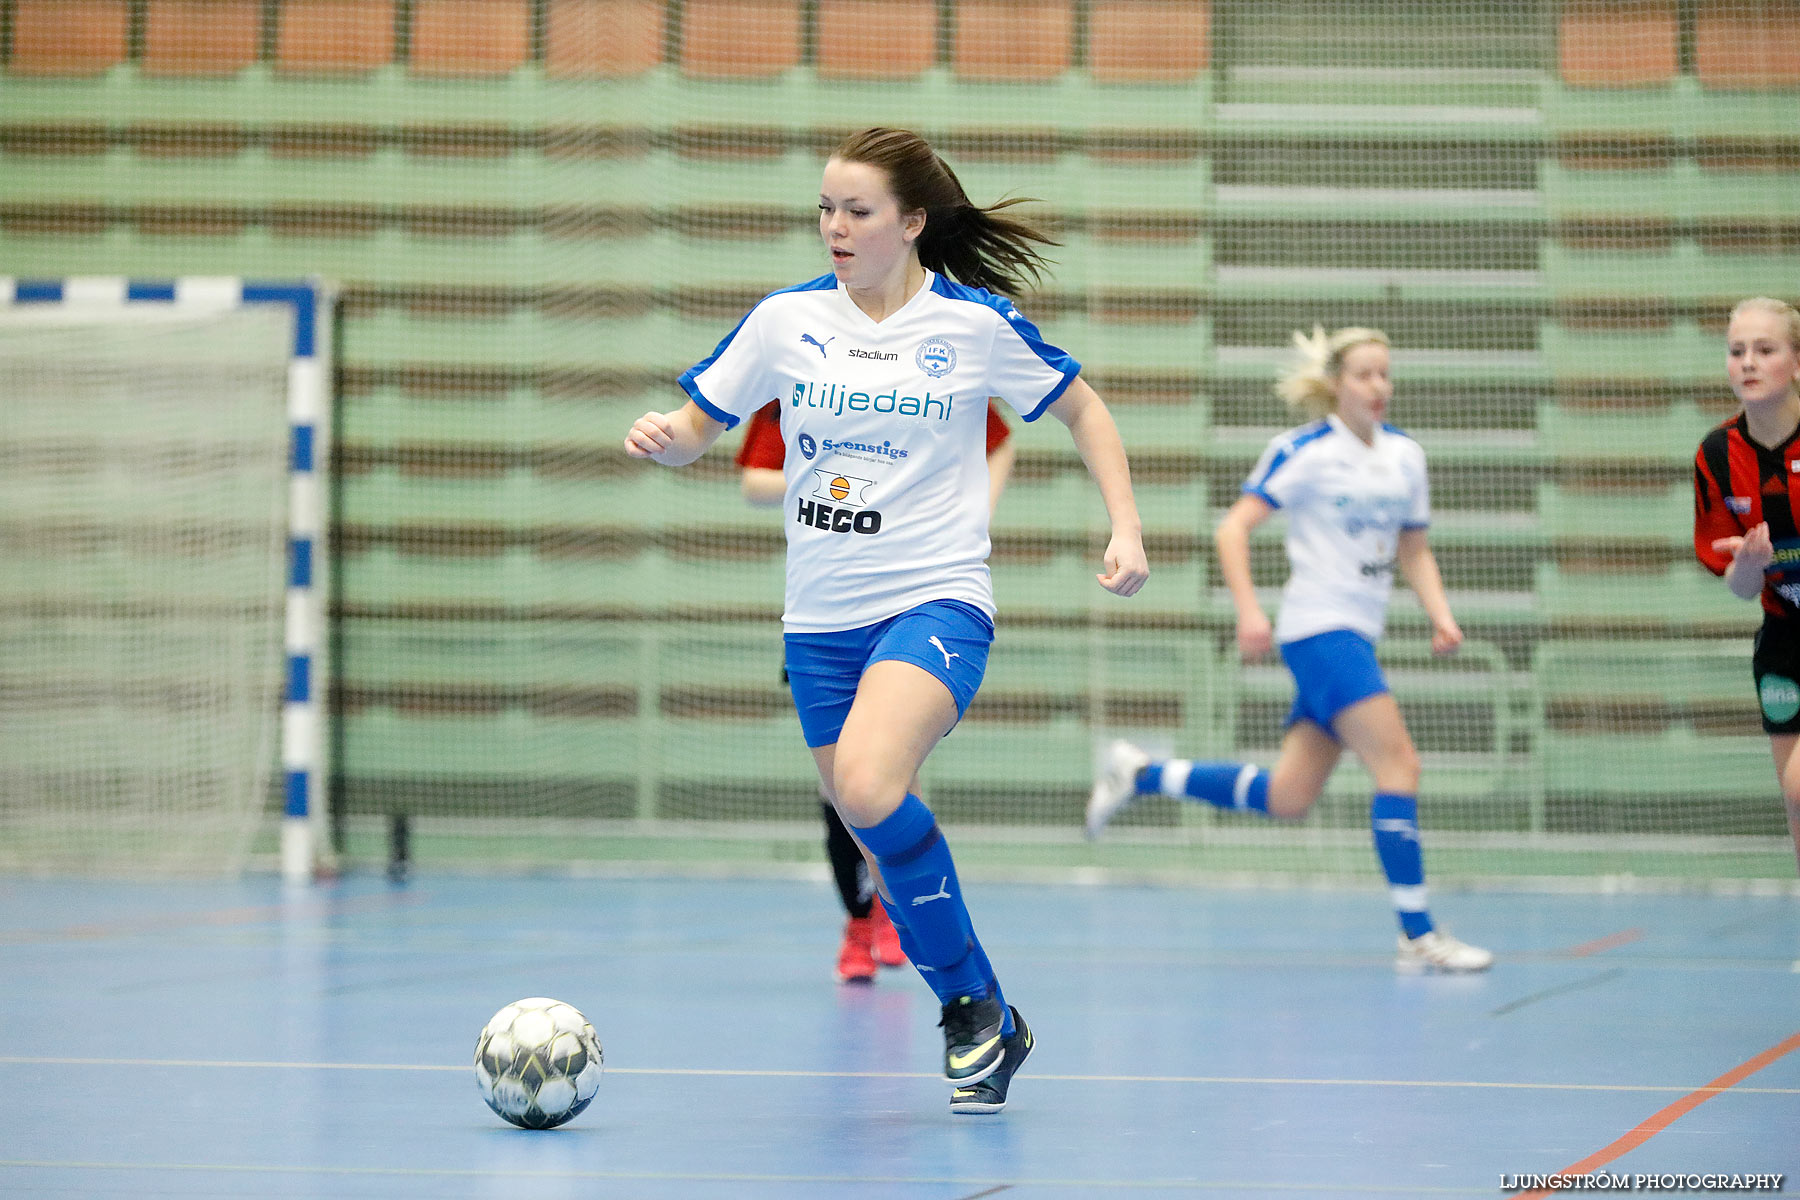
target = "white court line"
x: 731, y: 1073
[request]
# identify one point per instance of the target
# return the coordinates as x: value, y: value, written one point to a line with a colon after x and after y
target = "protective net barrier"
x: 541, y: 211
x: 143, y: 478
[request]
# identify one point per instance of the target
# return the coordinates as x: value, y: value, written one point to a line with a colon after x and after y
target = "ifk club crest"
x: 936, y: 357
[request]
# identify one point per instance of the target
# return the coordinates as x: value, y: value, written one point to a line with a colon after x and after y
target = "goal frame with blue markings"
x: 301, y: 724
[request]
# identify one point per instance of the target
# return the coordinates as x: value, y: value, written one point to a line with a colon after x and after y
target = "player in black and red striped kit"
x: 1746, y: 474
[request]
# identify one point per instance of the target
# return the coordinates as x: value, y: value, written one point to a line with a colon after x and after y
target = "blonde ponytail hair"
x: 1779, y: 308
x: 1309, y: 385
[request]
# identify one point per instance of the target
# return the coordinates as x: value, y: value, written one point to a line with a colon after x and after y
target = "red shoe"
x: 855, y: 963
x: 886, y: 942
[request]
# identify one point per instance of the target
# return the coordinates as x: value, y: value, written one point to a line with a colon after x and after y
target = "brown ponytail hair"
x: 972, y: 245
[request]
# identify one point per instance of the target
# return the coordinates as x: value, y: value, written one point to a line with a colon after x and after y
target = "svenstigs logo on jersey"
x: 839, y: 504
x: 887, y: 451
x: 838, y: 399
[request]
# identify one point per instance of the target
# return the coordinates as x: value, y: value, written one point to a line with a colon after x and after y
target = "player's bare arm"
x: 763, y: 486
x: 1419, y: 565
x: 1097, y: 440
x: 1231, y: 538
x: 1000, y: 465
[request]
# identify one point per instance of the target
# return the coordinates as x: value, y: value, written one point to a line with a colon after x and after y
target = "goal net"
x: 144, y: 528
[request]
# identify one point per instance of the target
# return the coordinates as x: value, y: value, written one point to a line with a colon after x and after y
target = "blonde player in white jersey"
x: 1358, y: 505
x: 883, y: 368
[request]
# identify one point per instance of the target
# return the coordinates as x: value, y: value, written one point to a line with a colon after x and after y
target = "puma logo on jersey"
x: 810, y: 340
x: 948, y: 655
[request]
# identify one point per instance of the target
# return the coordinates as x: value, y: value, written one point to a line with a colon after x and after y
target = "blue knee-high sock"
x: 935, y: 980
x: 1233, y: 785
x: 1395, y: 820
x: 920, y: 877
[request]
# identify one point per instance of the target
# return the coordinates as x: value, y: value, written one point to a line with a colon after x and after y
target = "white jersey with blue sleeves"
x: 1346, y: 503
x: 885, y: 429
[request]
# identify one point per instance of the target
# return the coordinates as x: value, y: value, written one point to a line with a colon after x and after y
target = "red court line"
x: 1622, y: 938
x: 1668, y: 1116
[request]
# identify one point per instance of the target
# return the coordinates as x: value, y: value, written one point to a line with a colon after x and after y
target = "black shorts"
x: 1776, y: 665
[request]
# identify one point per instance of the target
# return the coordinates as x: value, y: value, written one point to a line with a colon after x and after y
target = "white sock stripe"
x: 1406, y: 829
x: 1175, y: 774
x: 1408, y: 899
x: 1240, y: 791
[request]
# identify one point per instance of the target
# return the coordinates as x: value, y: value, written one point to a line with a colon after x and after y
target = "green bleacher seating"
x: 505, y: 748
x: 1102, y: 344
x: 391, y: 656
x: 1099, y: 258
x: 1673, y: 768
x: 1678, y: 352
x: 1059, y: 585
x: 1068, y: 503
x: 1419, y: 368
x: 1630, y: 517
x: 1683, y: 271
x: 521, y: 418
x: 654, y: 340
x: 1164, y: 428
x: 1657, y: 724
x: 1681, y: 597
x: 1680, y: 190
x: 385, y: 576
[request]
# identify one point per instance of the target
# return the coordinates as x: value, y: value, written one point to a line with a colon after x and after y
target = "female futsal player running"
x: 1745, y: 518
x: 884, y: 367
x: 1357, y: 502
x: 870, y: 941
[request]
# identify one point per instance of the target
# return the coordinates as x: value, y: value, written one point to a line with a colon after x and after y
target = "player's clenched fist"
x: 650, y: 435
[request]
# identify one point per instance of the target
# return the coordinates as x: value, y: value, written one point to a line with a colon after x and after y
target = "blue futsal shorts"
x: 1332, y: 671
x: 948, y: 638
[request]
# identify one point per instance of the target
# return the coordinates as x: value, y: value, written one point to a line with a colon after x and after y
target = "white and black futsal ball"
x: 538, y: 1062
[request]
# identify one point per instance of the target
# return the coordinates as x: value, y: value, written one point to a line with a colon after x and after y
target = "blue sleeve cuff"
x: 1267, y: 499
x: 707, y: 406
x: 1055, y: 393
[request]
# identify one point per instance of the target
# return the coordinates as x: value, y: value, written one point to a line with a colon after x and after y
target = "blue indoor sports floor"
x: 245, y: 1040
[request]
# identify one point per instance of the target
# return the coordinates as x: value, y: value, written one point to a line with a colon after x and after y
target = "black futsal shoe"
x: 989, y: 1095
x: 973, y: 1046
